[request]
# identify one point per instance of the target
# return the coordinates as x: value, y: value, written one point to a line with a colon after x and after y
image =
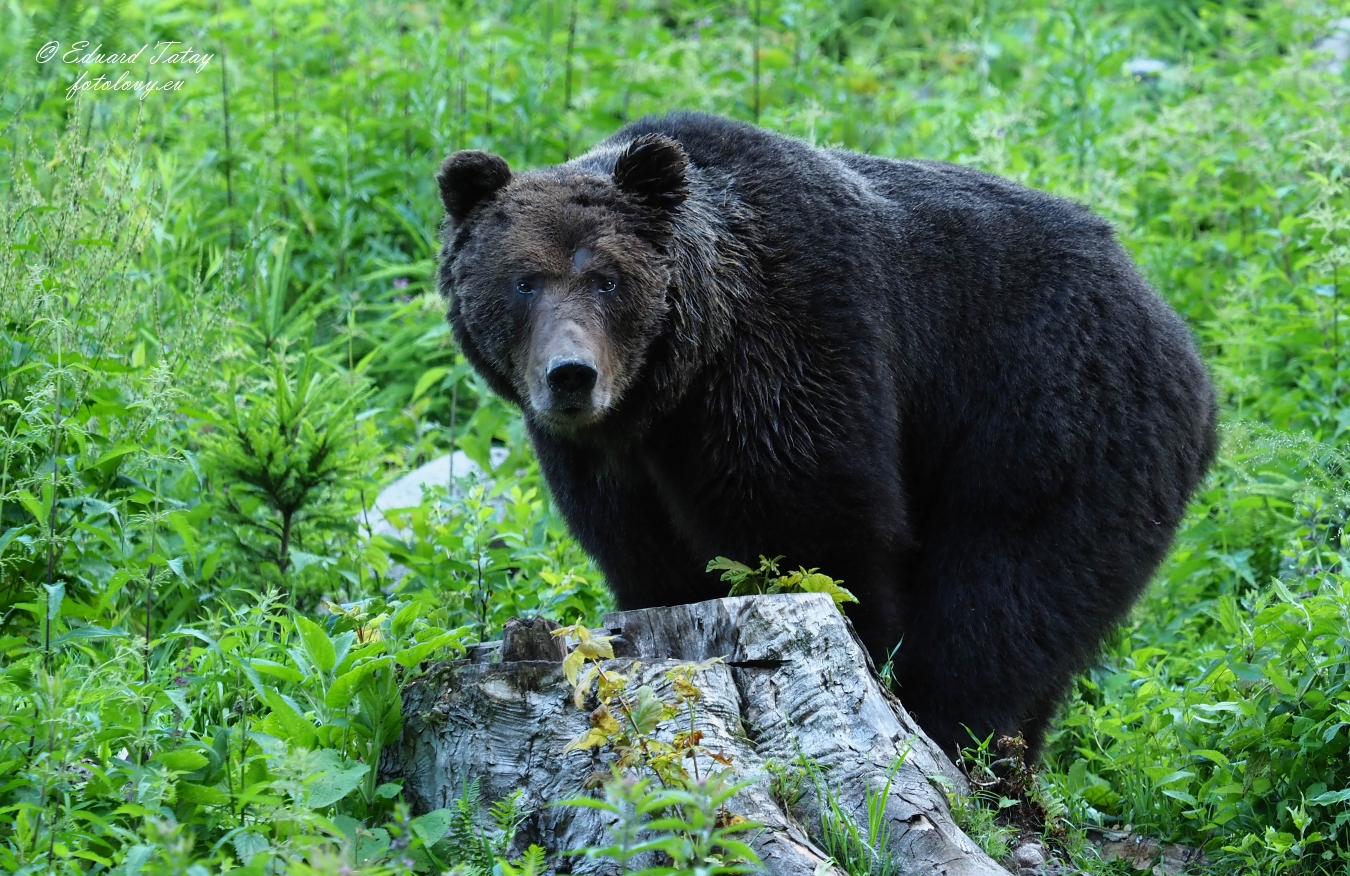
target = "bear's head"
x: 558, y: 279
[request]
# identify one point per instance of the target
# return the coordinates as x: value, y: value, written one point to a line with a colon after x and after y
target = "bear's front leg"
x: 616, y: 514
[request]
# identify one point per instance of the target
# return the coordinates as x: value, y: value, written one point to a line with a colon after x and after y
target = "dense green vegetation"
x: 219, y: 339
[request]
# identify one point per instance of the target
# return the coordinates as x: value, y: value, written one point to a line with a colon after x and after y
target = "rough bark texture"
x: 795, y: 683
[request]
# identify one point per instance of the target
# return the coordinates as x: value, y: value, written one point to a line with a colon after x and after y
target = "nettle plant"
x: 486, y: 553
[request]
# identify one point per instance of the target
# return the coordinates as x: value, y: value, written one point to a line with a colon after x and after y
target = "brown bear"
x: 953, y: 393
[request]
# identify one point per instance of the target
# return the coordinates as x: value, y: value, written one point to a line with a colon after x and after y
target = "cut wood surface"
x: 795, y: 683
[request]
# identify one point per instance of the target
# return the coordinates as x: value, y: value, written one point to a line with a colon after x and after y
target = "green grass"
x: 208, y: 293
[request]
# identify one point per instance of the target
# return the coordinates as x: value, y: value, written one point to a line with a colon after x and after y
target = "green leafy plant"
x: 484, y: 555
x: 689, y: 823
x: 980, y: 812
x: 663, y: 831
x: 627, y: 723
x: 470, y: 844
x: 290, y: 440
x: 746, y: 581
x: 786, y: 783
x: 857, y: 849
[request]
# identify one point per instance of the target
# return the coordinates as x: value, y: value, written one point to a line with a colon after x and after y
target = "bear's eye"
x: 524, y: 288
x: 606, y: 285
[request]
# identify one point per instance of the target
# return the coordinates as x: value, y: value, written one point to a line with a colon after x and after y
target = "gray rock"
x: 1334, y: 48
x: 406, y: 492
x: 1144, y: 68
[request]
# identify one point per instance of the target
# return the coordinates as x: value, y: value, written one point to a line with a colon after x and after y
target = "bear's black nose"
x: 572, y: 377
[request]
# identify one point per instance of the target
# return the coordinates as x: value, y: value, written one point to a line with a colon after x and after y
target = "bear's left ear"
x: 652, y: 168
x: 467, y: 177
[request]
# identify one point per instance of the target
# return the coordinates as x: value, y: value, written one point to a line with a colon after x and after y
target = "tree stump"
x: 795, y: 682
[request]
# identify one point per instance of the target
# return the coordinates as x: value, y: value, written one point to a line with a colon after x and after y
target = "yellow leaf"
x: 572, y: 666
x: 604, y: 721
x: 592, y: 738
x: 597, y: 649
x: 583, y: 686
x: 685, y: 690
x: 610, y: 685
x: 688, y: 739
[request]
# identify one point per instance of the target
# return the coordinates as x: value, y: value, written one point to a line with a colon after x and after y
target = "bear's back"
x: 947, y: 239
x: 982, y: 294
x: 786, y: 180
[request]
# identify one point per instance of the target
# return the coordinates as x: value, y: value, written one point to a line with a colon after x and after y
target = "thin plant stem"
x: 454, y: 410
x: 571, y: 50
x: 755, y: 48
x: 487, y: 93
x: 51, y: 514
x: 462, y: 95
x: 567, y: 80
x: 150, y: 576
x: 276, y: 119
x: 225, y: 106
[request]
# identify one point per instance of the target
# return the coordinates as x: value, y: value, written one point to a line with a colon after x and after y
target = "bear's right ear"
x: 652, y: 168
x: 468, y: 177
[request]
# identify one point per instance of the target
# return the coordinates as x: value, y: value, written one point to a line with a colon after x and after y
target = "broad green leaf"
x: 372, y: 845
x: 1179, y: 795
x: 247, y: 844
x: 424, y: 382
x: 302, y: 560
x: 343, y: 644
x: 8, y: 536
x: 178, y: 521
x: 202, y: 795
x: 88, y: 633
x: 32, y: 505
x: 200, y: 635
x: 184, y: 760
x: 299, y: 731
x: 176, y: 566
x: 818, y: 583
x: 137, y: 856
x: 331, y: 787
x: 732, y: 570
x: 277, y: 670
x: 115, y: 454
x: 55, y: 593
x: 1210, y: 754
x: 415, y: 654
x: 1169, y: 778
x: 1331, y: 798
x: 434, y: 825
x: 1279, y: 679
x: 345, y: 686
x: 318, y: 646
x: 648, y: 710
x: 404, y: 618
